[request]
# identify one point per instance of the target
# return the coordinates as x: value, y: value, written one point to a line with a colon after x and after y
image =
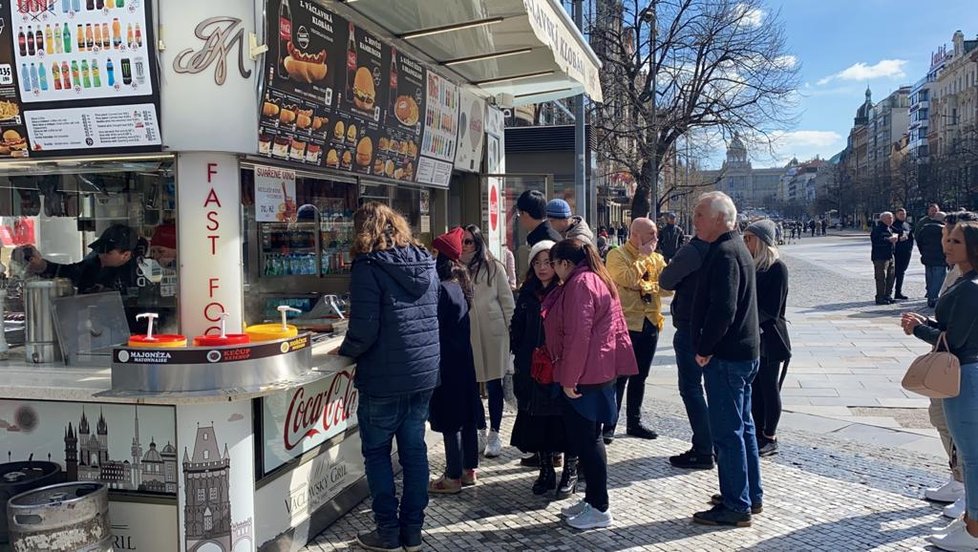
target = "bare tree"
x: 673, y: 66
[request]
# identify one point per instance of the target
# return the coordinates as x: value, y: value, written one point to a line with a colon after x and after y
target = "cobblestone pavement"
x: 844, y: 480
x: 821, y: 493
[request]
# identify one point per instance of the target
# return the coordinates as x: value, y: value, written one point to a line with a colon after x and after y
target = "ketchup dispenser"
x: 223, y: 339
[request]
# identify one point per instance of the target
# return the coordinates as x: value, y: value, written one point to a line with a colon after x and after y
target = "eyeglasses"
x: 541, y: 264
x: 468, y: 242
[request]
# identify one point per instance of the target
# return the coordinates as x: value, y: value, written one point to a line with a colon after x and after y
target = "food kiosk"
x: 233, y: 140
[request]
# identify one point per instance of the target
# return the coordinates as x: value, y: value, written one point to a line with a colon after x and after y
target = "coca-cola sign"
x: 303, y: 418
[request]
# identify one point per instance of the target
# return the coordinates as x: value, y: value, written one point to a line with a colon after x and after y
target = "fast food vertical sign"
x: 209, y: 238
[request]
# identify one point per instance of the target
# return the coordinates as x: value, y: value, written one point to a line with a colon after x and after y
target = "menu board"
x: 440, y: 132
x: 77, y: 75
x: 13, y: 134
x: 302, y: 83
x: 398, y: 146
x: 73, y: 49
x: 336, y: 96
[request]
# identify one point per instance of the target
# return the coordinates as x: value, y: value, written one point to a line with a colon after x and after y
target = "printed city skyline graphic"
x: 126, y: 447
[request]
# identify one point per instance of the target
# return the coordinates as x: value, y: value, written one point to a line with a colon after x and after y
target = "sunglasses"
x: 541, y: 264
x: 468, y: 242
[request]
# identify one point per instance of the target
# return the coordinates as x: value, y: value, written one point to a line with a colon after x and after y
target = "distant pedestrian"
x: 622, y: 233
x: 931, y: 210
x: 811, y: 227
x: 825, y: 225
x: 727, y: 343
x: 929, y: 240
x: 671, y: 238
x: 902, y: 250
x: 772, y: 301
x: 883, y: 241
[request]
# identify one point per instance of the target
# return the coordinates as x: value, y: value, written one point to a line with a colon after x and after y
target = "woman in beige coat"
x: 492, y: 309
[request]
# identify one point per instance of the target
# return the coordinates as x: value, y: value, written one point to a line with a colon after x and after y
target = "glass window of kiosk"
x: 104, y: 225
x: 295, y: 258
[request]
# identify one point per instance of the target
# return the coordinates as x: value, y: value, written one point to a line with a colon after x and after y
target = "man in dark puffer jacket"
x: 393, y: 336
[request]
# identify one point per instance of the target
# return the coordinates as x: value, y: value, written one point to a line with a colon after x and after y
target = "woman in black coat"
x: 772, y: 299
x: 539, y: 427
x: 456, y: 408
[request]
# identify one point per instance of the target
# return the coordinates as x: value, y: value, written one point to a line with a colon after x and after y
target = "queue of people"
x: 583, y: 334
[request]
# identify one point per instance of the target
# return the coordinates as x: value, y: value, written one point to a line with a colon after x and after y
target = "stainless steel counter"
x: 20, y: 380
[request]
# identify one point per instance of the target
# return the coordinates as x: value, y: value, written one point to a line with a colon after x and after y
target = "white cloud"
x: 886, y: 68
x: 751, y: 16
x: 785, y: 62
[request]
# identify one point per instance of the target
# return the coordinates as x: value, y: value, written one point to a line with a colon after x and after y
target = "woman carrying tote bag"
x: 955, y: 318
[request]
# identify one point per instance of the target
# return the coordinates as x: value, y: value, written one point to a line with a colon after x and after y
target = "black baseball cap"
x: 117, y: 236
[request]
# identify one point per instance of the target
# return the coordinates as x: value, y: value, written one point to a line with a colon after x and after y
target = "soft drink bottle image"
x: 56, y: 76
x: 22, y: 43
x: 98, y: 35
x: 96, y: 78
x: 106, y: 41
x: 66, y: 38
x: 86, y: 78
x: 58, y: 43
x: 25, y: 77
x: 34, y: 82
x: 65, y: 6
x: 65, y: 76
x: 110, y: 71
x: 126, y: 72
x: 42, y: 77
x: 76, y: 5
x: 48, y: 39
x: 74, y: 73
x: 30, y: 41
x: 81, y: 38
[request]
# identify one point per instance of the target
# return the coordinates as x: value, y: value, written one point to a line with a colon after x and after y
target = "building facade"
x: 954, y: 98
x: 750, y: 188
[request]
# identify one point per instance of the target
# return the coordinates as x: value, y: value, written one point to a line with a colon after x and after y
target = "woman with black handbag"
x: 956, y: 322
x: 539, y: 427
x: 772, y: 299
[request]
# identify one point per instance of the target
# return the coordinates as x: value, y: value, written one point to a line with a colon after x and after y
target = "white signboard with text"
x: 209, y: 201
x: 84, y: 127
x: 210, y: 101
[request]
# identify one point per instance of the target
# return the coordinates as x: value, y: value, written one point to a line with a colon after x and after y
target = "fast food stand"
x: 235, y: 140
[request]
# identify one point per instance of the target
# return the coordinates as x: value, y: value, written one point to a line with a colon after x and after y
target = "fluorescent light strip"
x: 486, y: 57
x: 544, y: 93
x: 450, y: 28
x: 514, y: 78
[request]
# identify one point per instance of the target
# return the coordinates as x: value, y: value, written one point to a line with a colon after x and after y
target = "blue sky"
x: 845, y: 45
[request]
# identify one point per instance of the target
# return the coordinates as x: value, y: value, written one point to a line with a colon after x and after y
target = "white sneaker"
x: 956, y: 541
x: 494, y: 446
x: 590, y: 518
x: 948, y: 492
x: 953, y: 526
x: 955, y: 509
x: 574, y: 510
x: 483, y: 439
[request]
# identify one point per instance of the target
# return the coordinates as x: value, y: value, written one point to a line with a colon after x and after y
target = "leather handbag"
x: 936, y: 374
x: 542, y: 366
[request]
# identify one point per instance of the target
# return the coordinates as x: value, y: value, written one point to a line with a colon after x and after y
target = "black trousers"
x: 766, y: 397
x: 901, y: 263
x: 644, y: 344
x: 584, y: 440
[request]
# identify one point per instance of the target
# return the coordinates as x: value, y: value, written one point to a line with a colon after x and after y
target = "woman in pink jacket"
x: 587, y: 338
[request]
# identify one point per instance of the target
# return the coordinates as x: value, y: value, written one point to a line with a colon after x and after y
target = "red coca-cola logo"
x: 284, y: 28
x: 309, y: 415
x: 493, y: 207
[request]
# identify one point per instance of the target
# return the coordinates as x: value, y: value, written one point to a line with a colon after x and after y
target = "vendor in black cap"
x: 110, y: 267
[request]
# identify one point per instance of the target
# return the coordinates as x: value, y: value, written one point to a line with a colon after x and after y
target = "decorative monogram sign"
x: 221, y: 35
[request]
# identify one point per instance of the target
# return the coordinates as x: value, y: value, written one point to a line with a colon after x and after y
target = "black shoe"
x: 721, y: 515
x: 901, y: 297
x: 890, y: 300
x: 411, y: 543
x: 532, y: 461
x: 568, y: 480
x: 881, y: 301
x: 608, y: 436
x: 373, y: 541
x: 547, y: 480
x: 717, y: 500
x: 640, y: 431
x: 768, y: 448
x: 690, y: 460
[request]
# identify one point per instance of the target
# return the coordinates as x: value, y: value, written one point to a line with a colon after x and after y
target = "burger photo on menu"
x: 13, y: 144
x: 364, y: 90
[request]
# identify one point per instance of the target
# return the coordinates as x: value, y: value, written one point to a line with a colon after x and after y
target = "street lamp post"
x: 648, y: 16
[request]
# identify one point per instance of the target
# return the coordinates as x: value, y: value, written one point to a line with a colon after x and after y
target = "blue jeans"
x: 934, y: 276
x: 381, y: 420
x: 962, y: 421
x: 691, y: 390
x: 728, y: 388
x: 494, y: 388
